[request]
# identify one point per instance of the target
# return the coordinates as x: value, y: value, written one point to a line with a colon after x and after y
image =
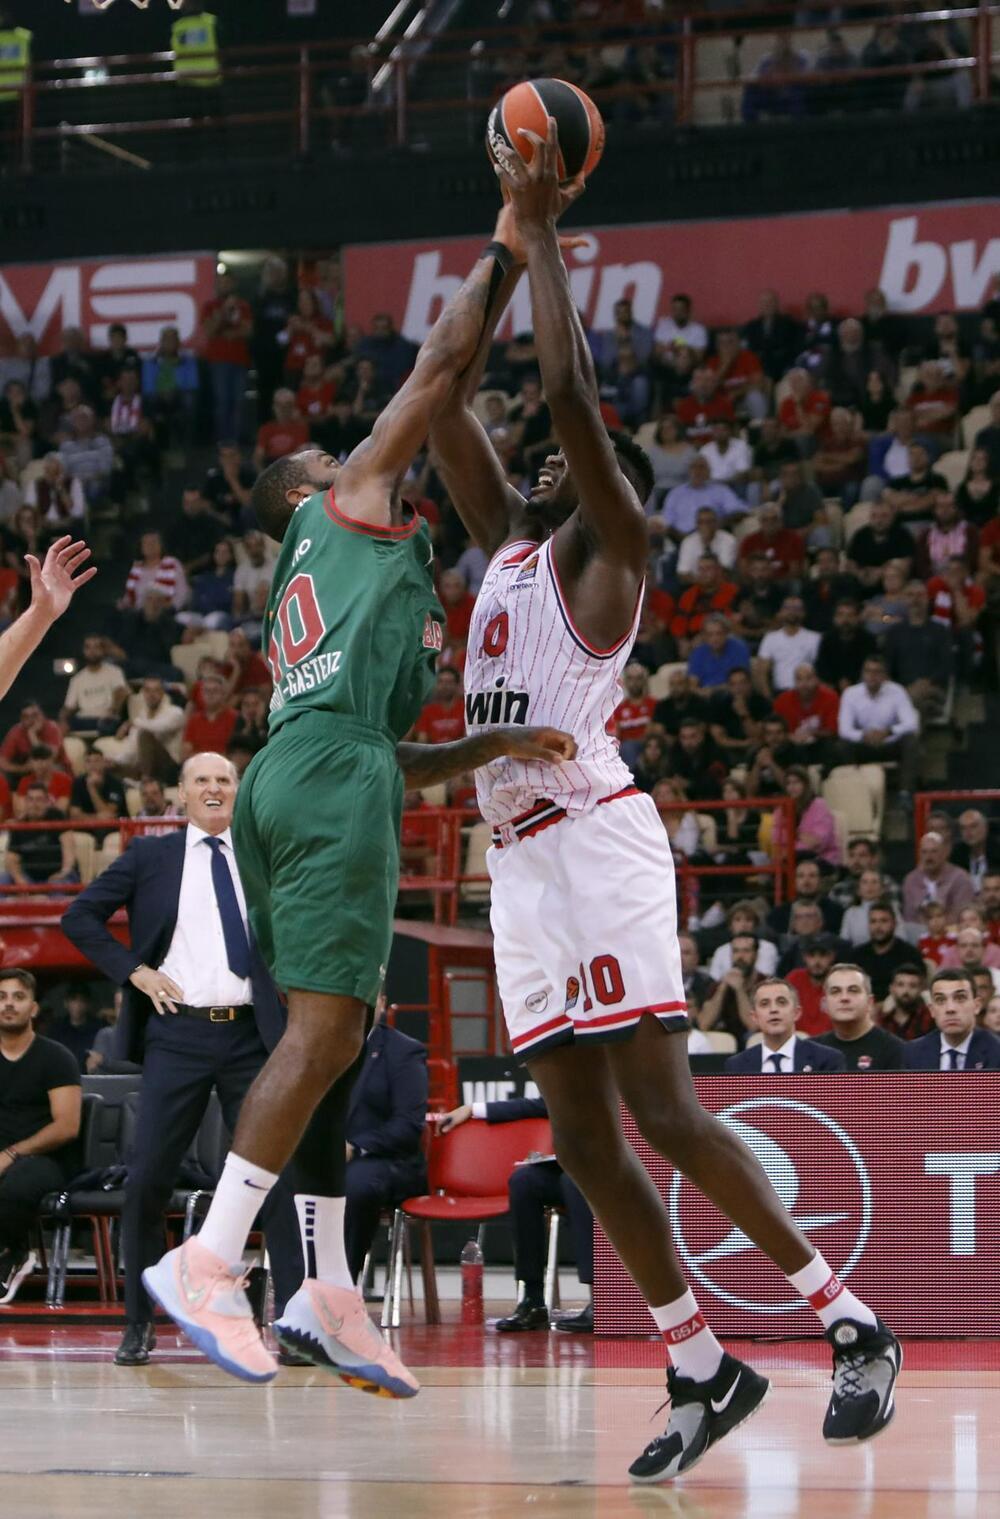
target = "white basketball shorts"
x: 584, y: 919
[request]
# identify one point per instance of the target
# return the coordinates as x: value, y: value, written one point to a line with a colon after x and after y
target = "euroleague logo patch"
x: 572, y: 992
x: 820, y: 1176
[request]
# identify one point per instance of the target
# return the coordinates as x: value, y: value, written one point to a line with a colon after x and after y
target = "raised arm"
x: 609, y: 509
x: 400, y: 430
x: 52, y: 587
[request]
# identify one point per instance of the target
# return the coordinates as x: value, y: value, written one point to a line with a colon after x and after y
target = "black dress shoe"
x: 526, y: 1315
x: 577, y: 1323
x: 137, y: 1341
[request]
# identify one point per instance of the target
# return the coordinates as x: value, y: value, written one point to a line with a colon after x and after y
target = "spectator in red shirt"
x: 710, y: 593
x: 442, y: 721
x: 989, y: 901
x: 418, y: 836
x: 956, y: 599
x: 458, y: 603
x: 245, y: 670
x: 819, y: 953
x: 933, y: 401
x: 782, y: 547
x: 209, y: 731
x: 316, y: 394
x: 33, y: 729
x: 5, y: 799
x: 699, y: 411
x: 309, y: 333
x: 738, y: 374
x: 840, y: 460
x: 631, y: 718
x: 42, y: 772
x: 804, y: 411
x: 226, y: 329
x: 810, y: 710
x: 282, y: 436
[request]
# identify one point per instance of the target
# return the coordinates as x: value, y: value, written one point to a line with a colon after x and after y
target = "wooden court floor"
x: 540, y: 1424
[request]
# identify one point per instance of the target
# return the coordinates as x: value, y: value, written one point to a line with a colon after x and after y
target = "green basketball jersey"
x: 352, y: 624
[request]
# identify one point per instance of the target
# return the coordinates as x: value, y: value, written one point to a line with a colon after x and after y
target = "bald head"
x: 207, y: 791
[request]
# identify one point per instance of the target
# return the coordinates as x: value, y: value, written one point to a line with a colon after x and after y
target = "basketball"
x: 527, y: 107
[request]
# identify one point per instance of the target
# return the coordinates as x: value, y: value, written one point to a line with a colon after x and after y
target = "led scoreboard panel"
x: 895, y: 1177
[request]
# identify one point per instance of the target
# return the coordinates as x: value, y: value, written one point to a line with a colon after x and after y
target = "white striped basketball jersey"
x: 527, y: 664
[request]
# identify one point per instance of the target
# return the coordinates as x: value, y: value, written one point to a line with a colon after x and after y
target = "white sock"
x: 242, y: 1190
x: 321, y: 1222
x: 824, y: 1291
x: 691, y: 1345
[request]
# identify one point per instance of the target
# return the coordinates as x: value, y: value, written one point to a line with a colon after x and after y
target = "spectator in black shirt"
x: 97, y: 793
x: 271, y: 311
x: 913, y: 494
x: 809, y: 887
x: 42, y: 855
x: 651, y: 766
x: 251, y: 724
x: 683, y: 702
x: 40, y: 1107
x: 849, y: 1006
x: 73, y: 362
x: 774, y: 337
x: 827, y: 586
x: 884, y: 954
x: 698, y: 761
x: 843, y: 650
x: 195, y: 532
x: 773, y: 449
x: 228, y: 484
x: 143, y: 640
x: 988, y: 437
x: 883, y: 538
x: 768, y: 765
x: 759, y: 601
x: 920, y: 654
x: 78, y: 1029
x: 698, y: 984
x: 735, y: 716
x: 115, y: 358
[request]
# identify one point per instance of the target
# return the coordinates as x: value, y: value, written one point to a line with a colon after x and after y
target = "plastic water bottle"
x: 471, y: 1261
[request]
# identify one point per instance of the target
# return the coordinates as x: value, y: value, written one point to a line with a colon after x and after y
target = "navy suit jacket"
x: 388, y: 1107
x: 514, y: 1108
x: 146, y: 881
x: 809, y: 1056
x: 925, y: 1054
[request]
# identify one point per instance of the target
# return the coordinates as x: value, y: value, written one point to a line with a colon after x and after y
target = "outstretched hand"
x: 537, y: 744
x: 515, y: 177
x: 54, y: 583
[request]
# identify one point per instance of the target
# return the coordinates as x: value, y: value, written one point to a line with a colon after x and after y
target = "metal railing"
x: 283, y: 100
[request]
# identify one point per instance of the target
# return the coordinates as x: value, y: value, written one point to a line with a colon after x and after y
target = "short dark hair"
x: 23, y: 976
x: 746, y: 933
x: 36, y: 786
x: 883, y: 905
x: 635, y: 463
x: 41, y: 751
x: 955, y: 973
x: 680, y: 296
x: 269, y: 497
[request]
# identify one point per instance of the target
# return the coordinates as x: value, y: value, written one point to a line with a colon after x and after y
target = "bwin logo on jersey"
x: 484, y: 708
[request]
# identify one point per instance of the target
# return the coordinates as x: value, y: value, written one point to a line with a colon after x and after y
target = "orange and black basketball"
x: 529, y: 105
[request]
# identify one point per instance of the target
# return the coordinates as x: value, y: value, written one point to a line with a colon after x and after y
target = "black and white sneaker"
x: 866, y: 1363
x: 701, y: 1414
x: 15, y: 1266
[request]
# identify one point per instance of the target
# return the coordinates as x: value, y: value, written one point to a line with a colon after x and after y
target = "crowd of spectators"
x: 824, y: 574
x: 628, y: 53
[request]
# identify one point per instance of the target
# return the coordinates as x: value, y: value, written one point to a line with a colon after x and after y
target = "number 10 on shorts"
x: 605, y: 980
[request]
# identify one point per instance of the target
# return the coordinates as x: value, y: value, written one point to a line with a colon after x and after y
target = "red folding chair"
x: 468, y: 1169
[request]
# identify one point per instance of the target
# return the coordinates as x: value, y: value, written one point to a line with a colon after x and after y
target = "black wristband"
x: 501, y: 253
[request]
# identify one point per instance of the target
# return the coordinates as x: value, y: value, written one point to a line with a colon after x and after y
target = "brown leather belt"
x: 218, y: 1014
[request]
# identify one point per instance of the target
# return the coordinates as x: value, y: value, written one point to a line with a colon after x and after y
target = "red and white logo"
x: 146, y: 294
x: 820, y: 1176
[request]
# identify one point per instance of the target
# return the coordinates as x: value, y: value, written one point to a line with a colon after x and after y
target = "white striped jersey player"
x: 583, y: 904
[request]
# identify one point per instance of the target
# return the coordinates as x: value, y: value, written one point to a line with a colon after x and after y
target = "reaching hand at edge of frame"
x: 55, y: 582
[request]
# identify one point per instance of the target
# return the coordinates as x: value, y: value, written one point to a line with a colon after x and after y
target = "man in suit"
x: 957, y: 1044
x: 976, y: 852
x: 776, y: 1011
x: 531, y: 1189
x: 199, y: 1011
x: 385, y: 1124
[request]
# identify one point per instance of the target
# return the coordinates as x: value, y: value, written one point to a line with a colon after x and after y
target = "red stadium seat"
x: 468, y: 1170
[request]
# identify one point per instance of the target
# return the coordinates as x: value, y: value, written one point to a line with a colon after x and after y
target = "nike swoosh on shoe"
x: 723, y: 1403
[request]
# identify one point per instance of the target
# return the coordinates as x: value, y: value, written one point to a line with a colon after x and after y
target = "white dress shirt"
x: 962, y: 1050
x: 787, y: 1057
x: 890, y: 708
x: 196, y: 959
x: 693, y: 546
x: 787, y: 651
x: 725, y: 465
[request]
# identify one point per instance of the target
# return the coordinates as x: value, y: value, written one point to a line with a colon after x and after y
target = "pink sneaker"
x: 330, y: 1327
x: 206, y: 1299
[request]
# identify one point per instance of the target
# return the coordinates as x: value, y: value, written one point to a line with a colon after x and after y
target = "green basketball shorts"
x: 316, y: 833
